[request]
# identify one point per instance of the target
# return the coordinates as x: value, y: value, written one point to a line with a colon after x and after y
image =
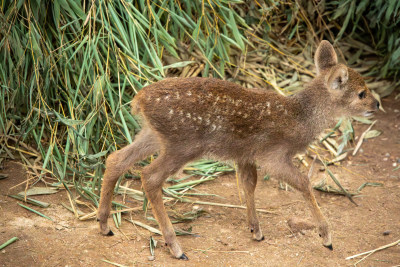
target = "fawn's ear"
x: 337, y: 77
x: 325, y: 56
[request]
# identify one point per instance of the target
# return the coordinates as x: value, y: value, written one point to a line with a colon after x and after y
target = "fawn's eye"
x: 362, y: 95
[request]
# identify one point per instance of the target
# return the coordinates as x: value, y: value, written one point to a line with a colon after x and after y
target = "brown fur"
x: 188, y: 118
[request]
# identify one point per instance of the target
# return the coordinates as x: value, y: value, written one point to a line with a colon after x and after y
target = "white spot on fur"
x: 268, y: 108
x: 189, y: 93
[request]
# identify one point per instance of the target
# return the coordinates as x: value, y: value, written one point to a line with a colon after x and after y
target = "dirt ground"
x: 223, y: 237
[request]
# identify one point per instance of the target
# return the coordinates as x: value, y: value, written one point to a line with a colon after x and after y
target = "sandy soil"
x: 223, y: 237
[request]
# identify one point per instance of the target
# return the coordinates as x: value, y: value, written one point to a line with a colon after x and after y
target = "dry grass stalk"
x: 360, y: 141
x: 370, y: 252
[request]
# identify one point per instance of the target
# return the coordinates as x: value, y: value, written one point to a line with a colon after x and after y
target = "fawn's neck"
x: 318, y: 110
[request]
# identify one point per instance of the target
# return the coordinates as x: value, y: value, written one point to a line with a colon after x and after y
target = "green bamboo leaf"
x: 77, y: 9
x: 68, y: 122
x: 37, y: 212
x: 37, y: 190
x: 64, y: 5
x: 31, y: 201
x: 8, y: 242
x: 119, y: 27
x: 153, y: 245
x: 362, y: 120
x: 347, y: 19
x: 372, y: 134
x: 235, y: 31
x: 390, y: 9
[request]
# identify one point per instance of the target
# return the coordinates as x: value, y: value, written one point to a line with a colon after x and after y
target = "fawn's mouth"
x: 368, y: 113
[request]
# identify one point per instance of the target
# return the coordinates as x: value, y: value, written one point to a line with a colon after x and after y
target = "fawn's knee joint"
x: 151, y: 185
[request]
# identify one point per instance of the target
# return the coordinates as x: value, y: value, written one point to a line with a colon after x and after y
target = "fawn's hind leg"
x: 153, y: 177
x: 248, y: 175
x: 119, y: 162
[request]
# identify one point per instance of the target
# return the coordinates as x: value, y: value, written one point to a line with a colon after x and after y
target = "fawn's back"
x: 221, y: 118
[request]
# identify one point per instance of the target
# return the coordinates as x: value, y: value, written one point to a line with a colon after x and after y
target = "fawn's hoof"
x: 110, y: 233
x: 183, y: 257
x: 329, y: 246
x: 261, y: 239
x: 257, y: 235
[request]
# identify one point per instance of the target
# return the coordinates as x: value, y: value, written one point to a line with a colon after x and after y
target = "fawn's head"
x: 345, y: 85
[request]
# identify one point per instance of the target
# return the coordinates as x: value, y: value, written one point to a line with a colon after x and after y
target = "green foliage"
x: 375, y: 23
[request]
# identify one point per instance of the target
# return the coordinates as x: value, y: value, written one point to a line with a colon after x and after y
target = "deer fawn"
x: 188, y: 118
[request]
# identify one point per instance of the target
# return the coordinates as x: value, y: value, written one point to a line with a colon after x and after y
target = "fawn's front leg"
x: 248, y: 176
x: 288, y: 173
x: 323, y: 226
